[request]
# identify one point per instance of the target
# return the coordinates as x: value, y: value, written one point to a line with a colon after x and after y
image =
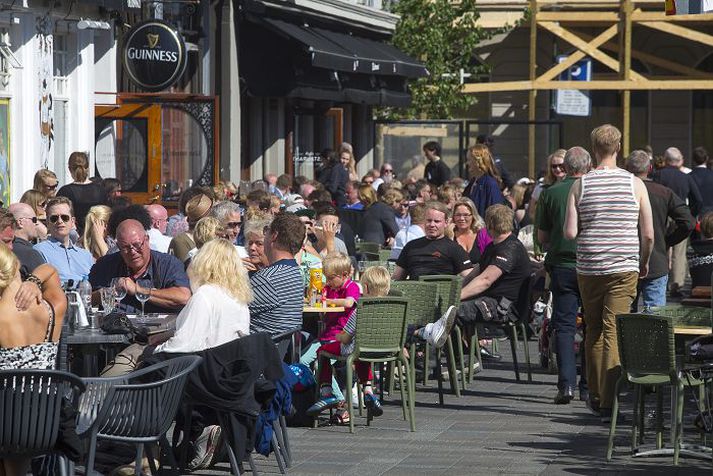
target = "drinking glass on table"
x: 117, y: 284
x: 108, y: 299
x: 143, y: 293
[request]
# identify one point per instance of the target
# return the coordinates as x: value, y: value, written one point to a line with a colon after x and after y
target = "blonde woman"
x: 83, y: 193
x: 469, y: 229
x: 207, y: 228
x: 217, y: 312
x: 485, y: 184
x: 345, y: 150
x: 45, y: 182
x: 28, y: 338
x: 554, y: 173
x: 37, y: 201
x: 94, y: 238
x: 367, y: 195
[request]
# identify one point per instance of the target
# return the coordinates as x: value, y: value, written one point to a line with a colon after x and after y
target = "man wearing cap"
x: 196, y: 208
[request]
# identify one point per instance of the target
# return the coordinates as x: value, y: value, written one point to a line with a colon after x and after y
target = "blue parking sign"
x: 574, y: 102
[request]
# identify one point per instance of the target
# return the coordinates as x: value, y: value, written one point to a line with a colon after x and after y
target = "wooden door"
x: 128, y: 147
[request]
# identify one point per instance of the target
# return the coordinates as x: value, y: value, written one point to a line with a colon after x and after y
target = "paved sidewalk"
x: 497, y: 427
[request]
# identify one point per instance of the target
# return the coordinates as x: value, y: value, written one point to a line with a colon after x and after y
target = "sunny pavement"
x: 498, y: 426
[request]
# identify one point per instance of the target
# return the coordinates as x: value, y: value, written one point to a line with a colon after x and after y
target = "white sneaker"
x: 205, y: 447
x: 441, y: 329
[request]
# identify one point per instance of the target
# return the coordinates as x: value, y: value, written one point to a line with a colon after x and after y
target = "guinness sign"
x: 154, y: 55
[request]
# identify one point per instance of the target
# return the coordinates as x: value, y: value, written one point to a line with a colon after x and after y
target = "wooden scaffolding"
x: 612, y: 47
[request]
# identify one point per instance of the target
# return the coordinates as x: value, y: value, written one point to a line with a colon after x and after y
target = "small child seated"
x: 340, y: 291
x: 376, y: 282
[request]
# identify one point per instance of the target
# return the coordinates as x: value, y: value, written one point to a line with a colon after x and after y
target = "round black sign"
x: 154, y: 55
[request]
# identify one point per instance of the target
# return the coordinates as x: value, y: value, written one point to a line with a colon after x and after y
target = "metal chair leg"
x: 513, y: 347
x: 286, y: 439
x: 452, y: 371
x: 461, y: 358
x: 278, y: 453
x: 277, y: 432
x: 526, y: 345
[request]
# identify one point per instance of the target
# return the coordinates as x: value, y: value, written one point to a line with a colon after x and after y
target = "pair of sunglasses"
x: 56, y: 218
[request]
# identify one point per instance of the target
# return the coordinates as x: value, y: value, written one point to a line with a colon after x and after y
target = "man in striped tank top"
x: 609, y: 214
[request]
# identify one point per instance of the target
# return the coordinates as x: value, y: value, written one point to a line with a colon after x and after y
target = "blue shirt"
x: 71, y: 263
x: 164, y: 271
x: 354, y: 206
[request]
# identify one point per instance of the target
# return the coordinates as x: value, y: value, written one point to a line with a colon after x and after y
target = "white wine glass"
x: 108, y: 299
x: 143, y: 293
x: 117, y: 284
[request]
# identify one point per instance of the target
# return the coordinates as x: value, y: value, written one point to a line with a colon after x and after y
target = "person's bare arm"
x: 346, y: 302
x: 53, y: 294
x: 399, y: 273
x: 172, y: 298
x: 29, y: 292
x: 481, y: 282
x: 571, y: 220
x: 646, y: 226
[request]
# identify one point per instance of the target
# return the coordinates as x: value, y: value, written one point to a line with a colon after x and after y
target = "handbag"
x: 118, y: 323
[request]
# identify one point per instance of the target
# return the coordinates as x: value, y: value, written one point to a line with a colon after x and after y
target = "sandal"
x: 340, y: 417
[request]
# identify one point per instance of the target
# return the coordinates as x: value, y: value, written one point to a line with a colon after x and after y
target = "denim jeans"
x: 653, y: 291
x: 565, y: 303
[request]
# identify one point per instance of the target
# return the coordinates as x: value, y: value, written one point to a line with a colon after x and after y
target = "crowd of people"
x: 230, y: 265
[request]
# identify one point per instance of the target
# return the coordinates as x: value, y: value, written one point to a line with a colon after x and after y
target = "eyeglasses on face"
x: 56, y: 218
x: 32, y: 219
x: 462, y: 215
x: 557, y: 166
x: 126, y: 249
x: 51, y: 187
x: 233, y: 224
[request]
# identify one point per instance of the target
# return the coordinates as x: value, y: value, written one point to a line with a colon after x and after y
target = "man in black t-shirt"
x: 500, y: 274
x: 434, y: 253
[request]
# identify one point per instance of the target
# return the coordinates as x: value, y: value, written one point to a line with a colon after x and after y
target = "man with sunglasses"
x: 58, y: 250
x: 26, y: 232
x: 229, y: 215
x: 170, y: 288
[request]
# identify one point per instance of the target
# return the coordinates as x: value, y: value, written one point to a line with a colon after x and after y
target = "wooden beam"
x: 626, y: 75
x: 617, y: 85
x: 638, y: 16
x: 655, y: 60
x: 532, y: 94
x: 682, y: 31
x: 602, y: 38
x: 613, y: 85
x: 584, y: 46
x: 576, y: 17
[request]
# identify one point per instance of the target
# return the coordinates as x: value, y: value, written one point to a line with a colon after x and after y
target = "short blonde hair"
x: 219, y: 263
x: 392, y: 197
x: 605, y: 140
x: 9, y: 265
x: 498, y: 218
x: 376, y: 281
x: 207, y: 229
x: 477, y: 224
x: 337, y: 264
x: 367, y: 195
x: 96, y: 213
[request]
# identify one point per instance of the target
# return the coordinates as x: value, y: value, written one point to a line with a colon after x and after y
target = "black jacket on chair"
x: 229, y: 381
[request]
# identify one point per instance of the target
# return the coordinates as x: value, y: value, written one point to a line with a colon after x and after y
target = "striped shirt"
x: 278, y: 292
x: 350, y: 328
x: 608, y: 240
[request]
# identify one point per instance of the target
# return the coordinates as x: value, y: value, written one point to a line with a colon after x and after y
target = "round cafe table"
x: 312, y: 317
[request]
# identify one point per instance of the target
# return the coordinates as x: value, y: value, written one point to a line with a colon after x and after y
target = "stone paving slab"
x: 498, y: 426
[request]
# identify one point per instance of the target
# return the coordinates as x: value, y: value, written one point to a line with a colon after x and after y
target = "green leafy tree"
x: 443, y: 35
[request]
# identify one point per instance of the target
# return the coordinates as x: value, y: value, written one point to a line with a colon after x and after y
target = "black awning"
x: 275, y: 65
x: 342, y: 52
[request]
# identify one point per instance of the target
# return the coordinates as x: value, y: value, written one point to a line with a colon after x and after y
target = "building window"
x: 7, y: 59
x: 61, y: 67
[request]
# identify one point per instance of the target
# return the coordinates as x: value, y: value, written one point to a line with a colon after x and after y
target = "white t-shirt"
x: 210, y: 319
x: 158, y: 241
x: 404, y: 236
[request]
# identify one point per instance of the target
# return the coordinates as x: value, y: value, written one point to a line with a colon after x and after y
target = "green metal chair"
x: 449, y: 287
x: 647, y: 353
x: 368, y: 247
x: 384, y: 255
x: 380, y: 337
x: 423, y: 299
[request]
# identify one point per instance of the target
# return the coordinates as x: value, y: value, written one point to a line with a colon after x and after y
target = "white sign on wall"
x: 573, y: 102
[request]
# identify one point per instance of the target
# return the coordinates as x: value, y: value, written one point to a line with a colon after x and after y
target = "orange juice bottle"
x: 315, y: 286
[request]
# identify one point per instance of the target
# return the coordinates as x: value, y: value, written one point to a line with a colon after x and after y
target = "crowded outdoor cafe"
x: 133, y: 339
